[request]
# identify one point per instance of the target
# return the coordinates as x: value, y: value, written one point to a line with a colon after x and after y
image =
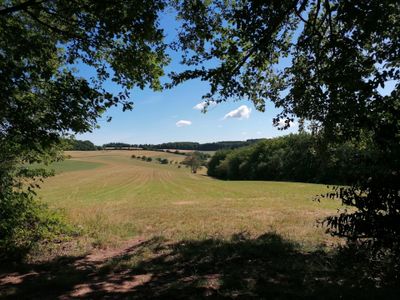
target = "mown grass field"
x: 152, y: 231
x: 114, y: 197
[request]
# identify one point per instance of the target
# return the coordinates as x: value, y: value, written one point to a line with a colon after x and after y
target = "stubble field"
x: 148, y: 231
x: 114, y: 198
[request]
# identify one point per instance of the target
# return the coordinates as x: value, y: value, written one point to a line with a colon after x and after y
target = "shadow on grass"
x: 268, y: 267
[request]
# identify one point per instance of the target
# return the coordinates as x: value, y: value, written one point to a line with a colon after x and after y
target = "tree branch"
x: 329, y: 12
x: 272, y: 28
x: 52, y: 28
x: 18, y: 7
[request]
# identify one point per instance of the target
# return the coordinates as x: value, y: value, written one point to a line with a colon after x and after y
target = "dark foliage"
x: 186, y: 145
x: 295, y: 157
x: 163, y: 161
x: 78, y: 145
x: 117, y: 145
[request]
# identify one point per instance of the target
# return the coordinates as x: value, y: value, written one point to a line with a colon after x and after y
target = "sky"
x: 173, y: 115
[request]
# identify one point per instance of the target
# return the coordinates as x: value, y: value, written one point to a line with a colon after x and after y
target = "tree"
x: 294, y: 157
x: 43, y: 98
x: 79, y: 145
x: 195, y: 160
x: 42, y: 41
x: 323, y: 61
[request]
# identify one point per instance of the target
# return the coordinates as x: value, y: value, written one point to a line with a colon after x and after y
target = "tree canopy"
x: 195, y: 160
x: 322, y: 60
x: 79, y: 145
x: 42, y: 41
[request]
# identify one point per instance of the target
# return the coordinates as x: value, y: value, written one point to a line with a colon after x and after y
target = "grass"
x: 123, y: 198
x: 162, y: 232
x: 70, y: 165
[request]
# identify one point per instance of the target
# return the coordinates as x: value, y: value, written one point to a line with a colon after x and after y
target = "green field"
x: 148, y: 230
x: 72, y: 165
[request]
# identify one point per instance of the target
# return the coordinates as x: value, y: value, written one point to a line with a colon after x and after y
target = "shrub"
x: 24, y: 222
x: 164, y: 161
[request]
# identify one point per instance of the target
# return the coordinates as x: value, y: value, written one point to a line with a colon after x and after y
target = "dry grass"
x: 125, y: 197
x: 164, y: 233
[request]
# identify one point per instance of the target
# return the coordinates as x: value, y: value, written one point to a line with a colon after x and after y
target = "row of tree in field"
x: 295, y: 157
x: 163, y: 161
x: 144, y: 158
x: 195, y: 160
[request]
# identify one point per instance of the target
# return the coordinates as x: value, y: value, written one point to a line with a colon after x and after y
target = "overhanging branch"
x: 19, y: 7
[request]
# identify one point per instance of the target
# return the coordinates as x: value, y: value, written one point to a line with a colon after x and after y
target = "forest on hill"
x: 214, y: 146
x: 295, y: 157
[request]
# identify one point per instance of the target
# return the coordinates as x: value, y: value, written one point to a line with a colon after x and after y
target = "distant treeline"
x: 187, y: 145
x: 79, y: 145
x: 119, y: 146
x: 295, y: 157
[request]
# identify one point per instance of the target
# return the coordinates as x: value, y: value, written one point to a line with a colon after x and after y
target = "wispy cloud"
x: 242, y: 112
x: 182, y: 123
x: 204, y: 105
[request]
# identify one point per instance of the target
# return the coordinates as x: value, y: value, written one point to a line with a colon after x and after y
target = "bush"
x: 164, y: 161
x: 24, y: 222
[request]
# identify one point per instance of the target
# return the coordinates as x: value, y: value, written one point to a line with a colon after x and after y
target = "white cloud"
x: 282, y: 123
x: 203, y: 105
x: 182, y: 123
x: 242, y: 112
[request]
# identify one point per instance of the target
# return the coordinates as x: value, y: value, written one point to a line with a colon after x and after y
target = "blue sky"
x: 155, y: 115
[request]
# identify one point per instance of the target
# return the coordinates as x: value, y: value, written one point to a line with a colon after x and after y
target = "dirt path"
x: 86, y: 269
